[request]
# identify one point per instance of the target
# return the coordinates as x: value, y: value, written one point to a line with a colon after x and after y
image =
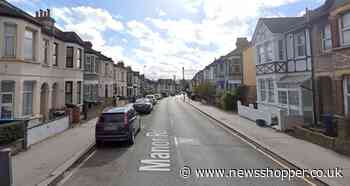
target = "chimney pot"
x: 36, y: 14
x: 48, y: 12
x: 41, y: 13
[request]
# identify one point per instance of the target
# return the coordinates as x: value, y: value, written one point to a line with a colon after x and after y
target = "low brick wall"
x: 314, y: 137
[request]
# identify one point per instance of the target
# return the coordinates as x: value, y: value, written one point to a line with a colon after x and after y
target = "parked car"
x: 143, y: 105
x: 117, y: 124
x: 153, y: 98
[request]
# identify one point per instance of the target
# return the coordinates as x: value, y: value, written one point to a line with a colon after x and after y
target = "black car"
x: 117, y: 124
x: 143, y: 105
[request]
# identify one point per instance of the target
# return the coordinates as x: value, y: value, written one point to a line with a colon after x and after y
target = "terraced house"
x: 331, y: 33
x: 283, y: 66
x: 40, y: 65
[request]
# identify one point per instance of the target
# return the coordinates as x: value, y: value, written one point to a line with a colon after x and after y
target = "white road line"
x: 176, y: 142
x: 66, y: 178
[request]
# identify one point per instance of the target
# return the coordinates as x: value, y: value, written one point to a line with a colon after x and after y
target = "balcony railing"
x: 272, y: 67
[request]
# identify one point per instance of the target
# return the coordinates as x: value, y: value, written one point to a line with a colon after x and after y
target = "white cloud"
x: 161, y: 13
x: 88, y: 22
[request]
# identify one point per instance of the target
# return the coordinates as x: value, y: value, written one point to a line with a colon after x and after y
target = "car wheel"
x: 131, y: 138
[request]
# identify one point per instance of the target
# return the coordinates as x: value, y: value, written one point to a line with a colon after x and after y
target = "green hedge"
x: 11, y: 132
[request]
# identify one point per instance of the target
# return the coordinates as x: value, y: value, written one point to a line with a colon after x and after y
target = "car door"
x: 132, y: 118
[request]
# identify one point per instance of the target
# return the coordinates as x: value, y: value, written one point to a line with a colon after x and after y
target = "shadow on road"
x: 106, y: 154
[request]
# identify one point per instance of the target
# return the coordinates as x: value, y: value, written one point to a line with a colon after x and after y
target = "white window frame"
x: 31, y: 53
x: 268, y: 47
x: 270, y: 90
x: 343, y: 29
x: 46, y: 46
x: 288, y: 106
x: 24, y: 105
x: 79, y: 58
x: 55, y: 49
x: 79, y: 92
x: 11, y: 105
x: 88, y: 63
x: 6, y: 35
x: 68, y: 93
x: 326, y: 38
x: 280, y: 45
x: 262, y: 90
x: 300, y: 44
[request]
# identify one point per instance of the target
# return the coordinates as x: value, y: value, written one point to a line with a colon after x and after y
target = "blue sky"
x: 159, y: 37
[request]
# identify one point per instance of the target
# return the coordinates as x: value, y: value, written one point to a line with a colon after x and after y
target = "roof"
x: 281, y: 24
x: 7, y: 9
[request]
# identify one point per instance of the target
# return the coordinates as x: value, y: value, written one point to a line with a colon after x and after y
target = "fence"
x: 253, y: 114
x: 45, y: 130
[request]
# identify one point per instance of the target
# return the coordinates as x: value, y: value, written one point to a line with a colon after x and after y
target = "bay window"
x: 280, y: 50
x: 347, y: 95
x: 7, y: 90
x: 268, y: 48
x: 88, y: 64
x: 79, y: 56
x: 326, y: 38
x: 55, y: 54
x: 28, y: 88
x: 344, y: 24
x: 46, y: 51
x: 69, y: 57
x: 271, y: 90
x: 300, y: 44
x: 10, y: 36
x: 79, y: 92
x: 262, y: 88
x: 29, y: 48
x: 282, y: 97
x: 69, y: 92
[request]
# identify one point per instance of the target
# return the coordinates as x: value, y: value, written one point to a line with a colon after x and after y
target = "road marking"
x: 160, y: 153
x: 66, y: 178
x: 175, y: 140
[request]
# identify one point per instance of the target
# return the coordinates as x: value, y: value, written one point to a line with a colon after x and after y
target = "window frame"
x: 280, y: 49
x: 32, y: 55
x: 25, y: 108
x: 343, y: 29
x: 324, y: 39
x: 68, y: 94
x: 301, y: 45
x: 69, y: 59
x: 270, y: 90
x: 347, y: 95
x: 79, y: 91
x: 46, y: 45
x: 55, y: 54
x: 262, y: 90
x: 11, y: 105
x: 14, y: 49
x: 79, y: 58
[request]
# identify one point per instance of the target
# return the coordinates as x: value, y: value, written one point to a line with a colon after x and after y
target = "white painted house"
x: 283, y: 66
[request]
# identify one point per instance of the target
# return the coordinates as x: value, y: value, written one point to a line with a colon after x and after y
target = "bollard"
x: 5, y: 167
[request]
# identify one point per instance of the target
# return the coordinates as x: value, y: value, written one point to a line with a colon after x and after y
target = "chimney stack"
x: 41, y: 13
x: 48, y: 12
x: 36, y: 14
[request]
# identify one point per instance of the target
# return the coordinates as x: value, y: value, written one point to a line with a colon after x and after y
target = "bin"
x: 328, y: 124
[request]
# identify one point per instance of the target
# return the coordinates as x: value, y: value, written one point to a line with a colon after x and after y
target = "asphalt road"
x: 187, y: 138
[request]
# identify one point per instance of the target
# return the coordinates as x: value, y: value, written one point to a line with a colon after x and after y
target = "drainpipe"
x: 6, y: 178
x: 309, y: 26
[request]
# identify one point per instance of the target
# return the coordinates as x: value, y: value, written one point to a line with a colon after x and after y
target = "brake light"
x: 126, y: 123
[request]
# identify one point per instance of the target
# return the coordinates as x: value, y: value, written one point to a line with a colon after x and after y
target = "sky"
x: 159, y: 37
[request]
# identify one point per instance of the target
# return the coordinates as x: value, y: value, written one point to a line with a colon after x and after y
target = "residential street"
x: 195, y: 141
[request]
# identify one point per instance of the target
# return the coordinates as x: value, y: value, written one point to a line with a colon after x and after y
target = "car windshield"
x: 112, y: 118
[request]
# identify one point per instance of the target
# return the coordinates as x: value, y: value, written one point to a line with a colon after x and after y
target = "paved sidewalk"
x: 303, y: 154
x: 35, y: 165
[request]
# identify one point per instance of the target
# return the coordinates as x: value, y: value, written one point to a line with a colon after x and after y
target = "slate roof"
x: 9, y: 10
